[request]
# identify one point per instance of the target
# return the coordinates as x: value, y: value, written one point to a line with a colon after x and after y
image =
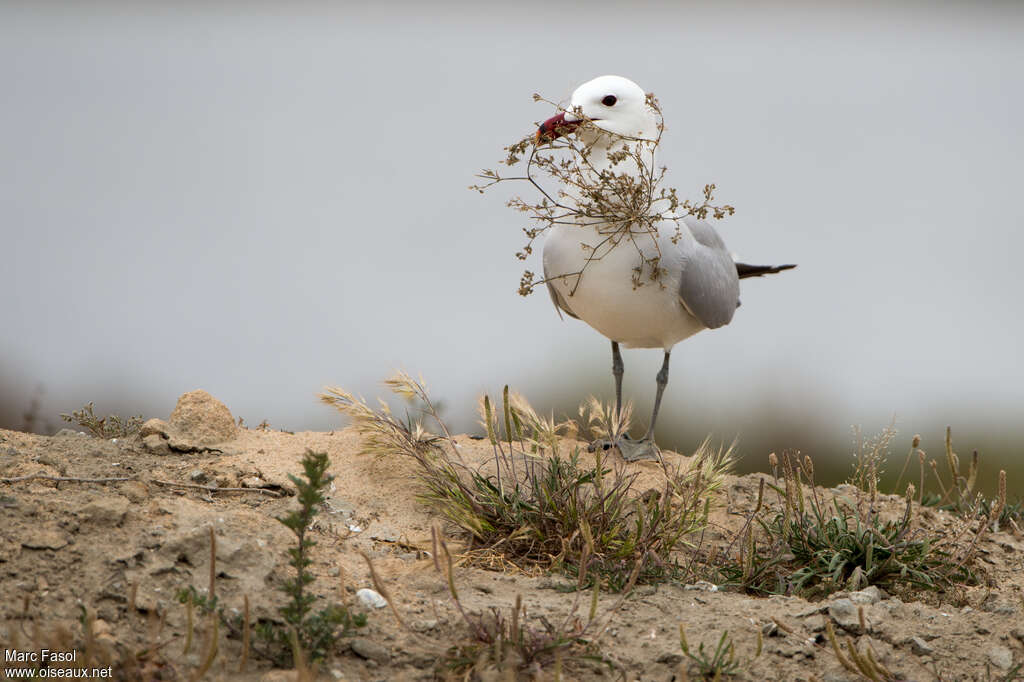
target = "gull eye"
x: 609, y: 100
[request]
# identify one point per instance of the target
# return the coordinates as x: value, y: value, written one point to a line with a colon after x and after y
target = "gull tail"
x: 746, y: 270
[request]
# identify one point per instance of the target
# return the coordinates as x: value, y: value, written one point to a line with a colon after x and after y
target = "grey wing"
x: 556, y: 298
x: 709, y: 286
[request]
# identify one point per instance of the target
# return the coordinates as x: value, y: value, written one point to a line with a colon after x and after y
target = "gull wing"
x: 709, y: 286
x: 557, y: 298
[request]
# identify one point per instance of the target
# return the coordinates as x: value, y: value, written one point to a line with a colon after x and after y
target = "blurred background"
x: 260, y: 199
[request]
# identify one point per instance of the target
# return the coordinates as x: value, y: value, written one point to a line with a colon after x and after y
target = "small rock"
x: 65, y: 433
x: 154, y: 427
x: 370, y: 650
x: 1000, y: 657
x: 252, y: 482
x: 424, y: 625
x: 334, y: 571
x: 156, y: 444
x: 135, y: 491
x: 371, y: 598
x: 45, y: 538
x: 869, y: 595
x: 198, y: 476
x: 920, y: 647
x: 383, y: 533
x: 844, y: 613
x: 106, y: 511
x: 202, y: 420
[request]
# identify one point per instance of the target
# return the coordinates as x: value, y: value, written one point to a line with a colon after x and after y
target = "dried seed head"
x: 773, y: 460
x: 910, y: 491
x: 917, y: 440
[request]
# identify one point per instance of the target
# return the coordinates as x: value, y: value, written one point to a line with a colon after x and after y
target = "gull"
x: 698, y: 286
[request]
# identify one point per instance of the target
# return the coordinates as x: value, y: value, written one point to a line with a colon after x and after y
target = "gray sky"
x: 260, y: 199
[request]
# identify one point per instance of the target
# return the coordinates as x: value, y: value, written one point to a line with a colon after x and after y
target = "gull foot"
x: 631, y: 450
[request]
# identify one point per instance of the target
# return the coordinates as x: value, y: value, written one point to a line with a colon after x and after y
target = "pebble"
x: 370, y: 650
x: 424, y: 625
x: 920, y: 647
x: 844, y: 613
x: 703, y: 586
x: 371, y: 598
x: 45, y: 538
x: 869, y: 595
x: 1000, y: 657
x: 198, y: 476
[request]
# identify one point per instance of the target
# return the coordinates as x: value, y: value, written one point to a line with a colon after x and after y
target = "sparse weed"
x: 305, y: 637
x: 959, y: 494
x: 511, y: 645
x: 720, y: 663
x: 818, y: 543
x: 862, y: 662
x: 111, y: 426
x: 539, y: 507
x: 313, y: 633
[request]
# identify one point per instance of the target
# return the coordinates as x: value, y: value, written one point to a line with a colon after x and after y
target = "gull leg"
x: 618, y: 369
x: 662, y: 381
x: 633, y: 450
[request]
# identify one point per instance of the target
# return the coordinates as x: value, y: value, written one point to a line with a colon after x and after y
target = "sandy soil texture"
x: 122, y: 550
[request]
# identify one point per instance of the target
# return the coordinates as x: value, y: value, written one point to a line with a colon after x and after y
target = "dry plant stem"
x: 211, y: 650
x: 380, y: 587
x: 302, y: 672
x: 213, y: 564
x: 118, y: 479
x: 477, y: 631
x: 65, y: 479
x: 189, y: 624
x: 622, y: 205
x: 245, y: 634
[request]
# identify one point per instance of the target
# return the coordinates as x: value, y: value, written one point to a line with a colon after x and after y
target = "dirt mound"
x: 133, y: 529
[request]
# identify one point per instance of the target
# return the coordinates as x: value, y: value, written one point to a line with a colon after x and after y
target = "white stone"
x: 371, y: 598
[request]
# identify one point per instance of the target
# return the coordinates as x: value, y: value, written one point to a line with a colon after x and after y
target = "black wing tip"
x: 747, y: 270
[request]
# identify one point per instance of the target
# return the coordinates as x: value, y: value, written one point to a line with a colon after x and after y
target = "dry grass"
x: 538, y: 506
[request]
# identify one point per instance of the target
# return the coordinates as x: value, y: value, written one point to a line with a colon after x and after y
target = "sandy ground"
x: 123, y: 549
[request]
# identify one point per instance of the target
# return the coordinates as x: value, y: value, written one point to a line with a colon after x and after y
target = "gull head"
x: 612, y: 103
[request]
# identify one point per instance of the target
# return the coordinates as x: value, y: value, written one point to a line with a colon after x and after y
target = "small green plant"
x: 537, y: 507
x: 305, y: 636
x: 316, y: 632
x: 818, y: 543
x: 111, y: 426
x: 513, y: 646
x: 722, y: 662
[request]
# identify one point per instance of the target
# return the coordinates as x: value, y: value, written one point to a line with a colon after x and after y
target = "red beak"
x: 556, y: 126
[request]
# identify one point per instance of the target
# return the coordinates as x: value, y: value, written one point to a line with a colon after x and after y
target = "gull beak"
x: 556, y: 126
